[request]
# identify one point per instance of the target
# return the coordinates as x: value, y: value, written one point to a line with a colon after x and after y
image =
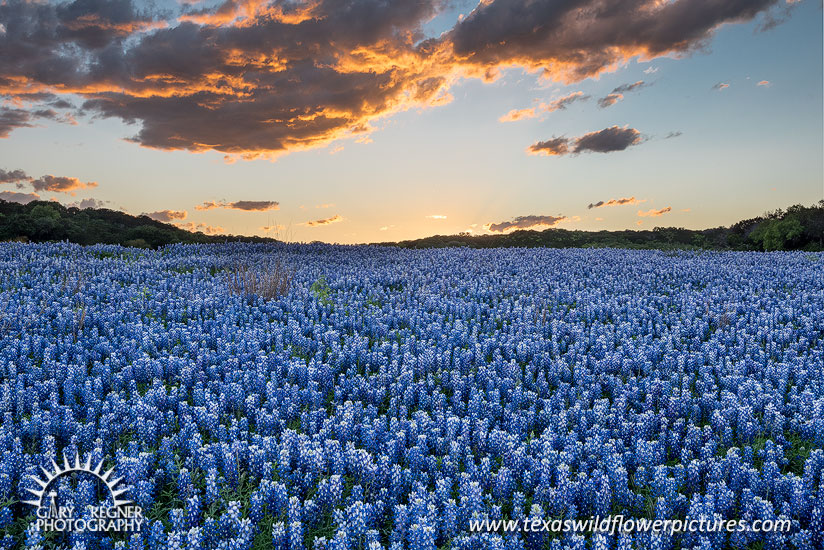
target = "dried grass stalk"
x: 269, y: 280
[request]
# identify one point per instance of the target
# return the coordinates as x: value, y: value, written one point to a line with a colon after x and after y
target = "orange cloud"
x: 317, y: 223
x: 556, y: 105
x: 257, y: 79
x: 615, y: 202
x: 60, y: 184
x: 167, y: 215
x: 655, y: 213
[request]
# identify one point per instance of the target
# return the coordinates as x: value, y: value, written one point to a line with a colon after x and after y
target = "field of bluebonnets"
x: 391, y: 395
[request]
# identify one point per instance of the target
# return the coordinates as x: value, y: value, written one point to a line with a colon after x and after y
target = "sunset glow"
x: 489, y: 115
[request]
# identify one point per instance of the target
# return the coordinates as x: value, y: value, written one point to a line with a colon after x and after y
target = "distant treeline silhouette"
x: 40, y: 221
x: 796, y: 228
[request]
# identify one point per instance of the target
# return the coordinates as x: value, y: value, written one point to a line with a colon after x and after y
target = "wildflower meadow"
x: 370, y: 398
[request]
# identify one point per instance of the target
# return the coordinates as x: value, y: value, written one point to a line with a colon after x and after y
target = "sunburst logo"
x: 120, y: 515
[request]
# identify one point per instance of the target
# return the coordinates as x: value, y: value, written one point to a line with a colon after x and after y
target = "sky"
x: 381, y: 120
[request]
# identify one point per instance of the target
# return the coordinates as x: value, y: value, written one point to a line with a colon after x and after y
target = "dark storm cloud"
x: 525, y: 222
x: 607, y: 140
x: 253, y: 78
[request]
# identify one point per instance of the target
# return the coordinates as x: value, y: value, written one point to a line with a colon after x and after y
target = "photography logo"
x: 116, y: 515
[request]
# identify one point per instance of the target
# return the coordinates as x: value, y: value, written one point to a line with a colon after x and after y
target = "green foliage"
x: 778, y: 234
x: 321, y: 291
x: 40, y: 221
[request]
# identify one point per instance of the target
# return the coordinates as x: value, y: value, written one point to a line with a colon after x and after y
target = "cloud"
x: 248, y: 206
x: 765, y: 83
x: 651, y: 70
x: 48, y: 183
x: 253, y: 78
x: 524, y: 222
x: 22, y: 198
x: 555, y: 105
x: 329, y: 205
x: 436, y: 217
x: 88, y: 203
x: 607, y: 140
x: 201, y: 228
x: 655, y: 213
x: 609, y: 99
x: 674, y: 135
x: 624, y: 88
x: 167, y: 216
x: 11, y: 119
x: 60, y: 184
x: 617, y: 93
x: 615, y: 202
x: 721, y: 86
x: 316, y: 223
x: 582, y: 38
x: 14, y: 176
x: 555, y: 146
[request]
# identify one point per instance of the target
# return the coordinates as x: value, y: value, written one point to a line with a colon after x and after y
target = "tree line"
x: 796, y: 228
x: 41, y: 221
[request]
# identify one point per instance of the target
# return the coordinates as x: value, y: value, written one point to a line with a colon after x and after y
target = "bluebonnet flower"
x: 486, y: 383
